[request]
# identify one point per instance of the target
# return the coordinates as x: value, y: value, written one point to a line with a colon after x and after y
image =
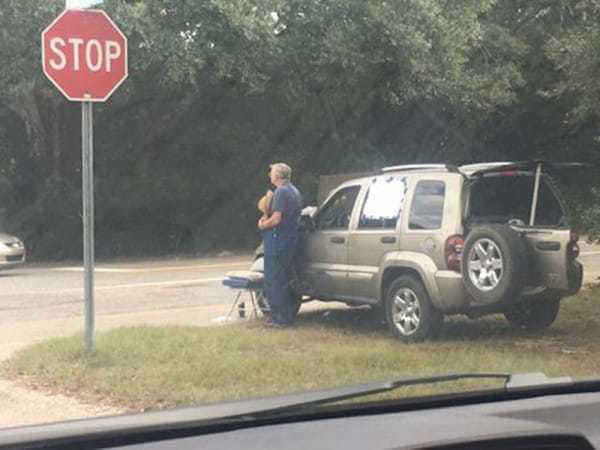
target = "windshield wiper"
x: 249, y: 410
x: 294, y: 402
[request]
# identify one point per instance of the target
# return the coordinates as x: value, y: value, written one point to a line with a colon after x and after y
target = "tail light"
x: 573, y: 247
x: 453, y: 252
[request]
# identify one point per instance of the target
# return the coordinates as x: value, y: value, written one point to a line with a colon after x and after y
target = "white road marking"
x: 155, y: 269
x: 161, y: 283
x: 121, y: 286
x: 225, y: 319
x: 589, y: 253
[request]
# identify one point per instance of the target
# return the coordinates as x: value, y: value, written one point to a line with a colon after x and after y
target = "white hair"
x: 282, y: 170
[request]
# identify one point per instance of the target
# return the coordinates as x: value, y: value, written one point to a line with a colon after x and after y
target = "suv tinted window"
x: 428, y: 206
x: 336, y: 213
x: 502, y: 198
x: 384, y: 203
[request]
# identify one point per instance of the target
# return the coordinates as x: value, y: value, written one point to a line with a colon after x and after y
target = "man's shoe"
x: 275, y: 325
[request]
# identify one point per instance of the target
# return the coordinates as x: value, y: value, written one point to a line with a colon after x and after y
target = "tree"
x: 220, y: 88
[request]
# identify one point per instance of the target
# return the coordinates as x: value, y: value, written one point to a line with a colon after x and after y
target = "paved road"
x: 591, y: 264
x: 53, y: 292
x: 56, y: 292
x: 590, y: 258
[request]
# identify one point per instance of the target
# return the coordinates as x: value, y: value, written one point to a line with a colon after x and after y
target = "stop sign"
x: 84, y: 54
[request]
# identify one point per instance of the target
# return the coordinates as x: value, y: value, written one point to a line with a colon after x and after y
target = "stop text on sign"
x: 94, y: 54
x: 84, y: 54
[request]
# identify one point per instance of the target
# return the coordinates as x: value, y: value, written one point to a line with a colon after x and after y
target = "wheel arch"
x: 419, y: 265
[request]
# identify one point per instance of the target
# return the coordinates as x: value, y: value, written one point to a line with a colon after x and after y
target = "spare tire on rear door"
x: 494, y: 264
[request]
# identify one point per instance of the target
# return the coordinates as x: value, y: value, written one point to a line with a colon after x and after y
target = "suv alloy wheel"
x: 409, y: 312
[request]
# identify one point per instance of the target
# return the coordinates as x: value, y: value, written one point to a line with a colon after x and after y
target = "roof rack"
x: 470, y: 169
x: 413, y: 167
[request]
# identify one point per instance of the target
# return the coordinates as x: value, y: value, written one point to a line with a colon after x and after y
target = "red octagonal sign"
x: 84, y: 54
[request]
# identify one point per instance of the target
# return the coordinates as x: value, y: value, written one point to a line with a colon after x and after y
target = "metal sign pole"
x: 87, y: 158
x: 86, y: 85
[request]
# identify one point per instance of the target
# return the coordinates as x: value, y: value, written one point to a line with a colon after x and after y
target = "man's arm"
x: 270, y: 222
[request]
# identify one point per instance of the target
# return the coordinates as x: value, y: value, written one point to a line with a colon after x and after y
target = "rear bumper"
x: 454, y: 298
x: 453, y: 295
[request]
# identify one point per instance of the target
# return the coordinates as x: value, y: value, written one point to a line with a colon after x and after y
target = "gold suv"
x: 426, y: 241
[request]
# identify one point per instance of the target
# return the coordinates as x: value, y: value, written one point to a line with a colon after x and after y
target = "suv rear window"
x: 427, y: 209
x: 384, y: 203
x: 498, y: 199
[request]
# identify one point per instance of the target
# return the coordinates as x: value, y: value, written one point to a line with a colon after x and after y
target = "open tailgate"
x: 476, y: 170
x: 548, y: 247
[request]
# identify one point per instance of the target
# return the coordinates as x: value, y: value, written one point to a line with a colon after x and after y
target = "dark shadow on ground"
x: 365, y: 320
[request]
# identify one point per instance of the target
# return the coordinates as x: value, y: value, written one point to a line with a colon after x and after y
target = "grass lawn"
x: 158, y: 367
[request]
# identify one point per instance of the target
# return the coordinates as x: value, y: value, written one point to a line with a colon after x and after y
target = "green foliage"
x: 586, y: 214
x: 575, y: 51
x: 220, y: 88
x: 22, y: 23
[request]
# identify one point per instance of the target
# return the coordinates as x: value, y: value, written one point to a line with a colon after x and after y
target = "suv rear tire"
x: 409, y: 313
x: 494, y: 264
x: 533, y: 315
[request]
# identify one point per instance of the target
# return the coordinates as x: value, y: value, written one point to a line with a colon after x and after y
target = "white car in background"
x: 12, y: 251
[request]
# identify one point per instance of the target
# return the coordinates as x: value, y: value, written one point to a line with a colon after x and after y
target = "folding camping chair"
x: 245, y: 282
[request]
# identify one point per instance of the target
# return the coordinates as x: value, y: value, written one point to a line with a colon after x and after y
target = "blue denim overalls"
x: 279, y: 256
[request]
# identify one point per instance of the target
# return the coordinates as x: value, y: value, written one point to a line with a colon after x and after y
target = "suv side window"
x: 427, y: 209
x: 384, y: 203
x: 336, y: 213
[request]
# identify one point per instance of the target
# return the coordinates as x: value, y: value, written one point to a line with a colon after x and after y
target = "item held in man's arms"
x: 264, y: 204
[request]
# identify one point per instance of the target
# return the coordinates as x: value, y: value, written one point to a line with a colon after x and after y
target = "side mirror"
x: 309, y: 211
x: 307, y: 219
x: 307, y: 223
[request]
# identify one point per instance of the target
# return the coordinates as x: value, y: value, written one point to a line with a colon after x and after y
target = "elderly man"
x: 281, y: 235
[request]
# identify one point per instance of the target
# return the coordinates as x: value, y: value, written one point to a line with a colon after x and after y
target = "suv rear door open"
x: 522, y: 195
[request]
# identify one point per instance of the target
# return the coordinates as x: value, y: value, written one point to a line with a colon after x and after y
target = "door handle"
x: 388, y: 240
x: 337, y: 240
